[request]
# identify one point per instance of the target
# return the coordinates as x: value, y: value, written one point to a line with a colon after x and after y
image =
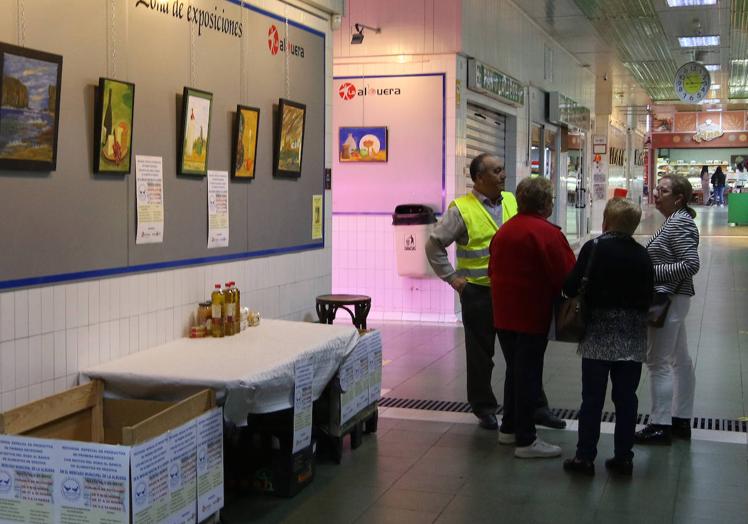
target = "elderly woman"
x: 529, y: 259
x: 674, y: 253
x: 618, y: 294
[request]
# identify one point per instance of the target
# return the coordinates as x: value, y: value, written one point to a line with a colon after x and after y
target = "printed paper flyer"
x: 150, y: 481
x: 346, y: 376
x: 209, y: 463
x: 183, y: 473
x: 302, y: 406
x: 375, y: 366
x: 218, y: 209
x: 317, y: 217
x: 92, y: 483
x: 27, y: 467
x: 149, y: 199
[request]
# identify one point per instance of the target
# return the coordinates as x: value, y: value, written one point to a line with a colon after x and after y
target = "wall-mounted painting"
x: 289, y: 140
x: 195, y: 137
x: 362, y: 144
x: 30, y: 84
x: 113, y: 121
x: 244, y: 152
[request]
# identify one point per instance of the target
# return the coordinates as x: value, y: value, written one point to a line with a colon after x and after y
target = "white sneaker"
x: 507, y: 439
x: 538, y: 449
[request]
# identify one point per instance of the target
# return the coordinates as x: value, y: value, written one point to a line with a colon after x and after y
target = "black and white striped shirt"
x: 674, y: 253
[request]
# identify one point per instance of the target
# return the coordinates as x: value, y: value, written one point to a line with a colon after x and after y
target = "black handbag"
x: 571, y: 314
x: 657, y: 313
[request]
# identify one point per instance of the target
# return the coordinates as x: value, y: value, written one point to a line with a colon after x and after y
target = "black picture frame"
x: 184, y: 167
x: 101, y: 102
x: 236, y: 142
x: 288, y: 150
x: 18, y: 109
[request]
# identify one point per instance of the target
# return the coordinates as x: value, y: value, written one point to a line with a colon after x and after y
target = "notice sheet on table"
x: 209, y: 463
x: 149, y: 199
x: 218, y: 209
x: 302, y: 405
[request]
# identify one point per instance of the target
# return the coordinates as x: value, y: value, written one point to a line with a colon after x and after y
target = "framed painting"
x: 244, y: 145
x: 195, y: 134
x: 289, y: 140
x: 30, y: 83
x: 113, y: 125
x: 362, y: 144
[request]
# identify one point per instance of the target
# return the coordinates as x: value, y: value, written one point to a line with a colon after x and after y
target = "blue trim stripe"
x: 277, y: 17
x: 100, y: 273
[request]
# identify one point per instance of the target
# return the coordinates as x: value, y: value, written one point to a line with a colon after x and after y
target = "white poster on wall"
x: 149, y: 199
x: 400, y: 120
x: 218, y: 209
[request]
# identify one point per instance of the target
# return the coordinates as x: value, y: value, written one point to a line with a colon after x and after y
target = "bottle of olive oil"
x: 217, y: 302
x: 229, y: 305
x: 237, y: 309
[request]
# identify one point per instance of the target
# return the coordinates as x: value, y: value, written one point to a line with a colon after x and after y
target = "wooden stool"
x: 327, y: 306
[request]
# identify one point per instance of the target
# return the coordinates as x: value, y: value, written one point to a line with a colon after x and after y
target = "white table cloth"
x: 252, y: 372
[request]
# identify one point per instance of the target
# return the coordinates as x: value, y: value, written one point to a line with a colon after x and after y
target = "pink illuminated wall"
x: 412, y: 109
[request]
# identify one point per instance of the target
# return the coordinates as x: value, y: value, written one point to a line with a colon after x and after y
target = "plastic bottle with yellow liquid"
x: 217, y: 302
x: 229, y: 309
x: 237, y: 309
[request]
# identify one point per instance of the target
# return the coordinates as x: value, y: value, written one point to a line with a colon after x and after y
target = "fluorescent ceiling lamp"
x: 713, y: 67
x: 714, y: 87
x: 689, y: 3
x: 709, y: 101
x: 739, y: 61
x: 699, y: 41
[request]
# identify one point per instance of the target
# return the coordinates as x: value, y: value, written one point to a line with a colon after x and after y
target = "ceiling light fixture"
x: 690, y: 3
x: 739, y: 61
x: 713, y: 67
x: 358, y: 36
x: 699, y: 41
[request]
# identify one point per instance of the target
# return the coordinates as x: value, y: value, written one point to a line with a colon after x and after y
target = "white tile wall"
x: 50, y: 333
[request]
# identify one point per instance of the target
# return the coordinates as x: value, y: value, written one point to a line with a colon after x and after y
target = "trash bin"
x: 412, y: 224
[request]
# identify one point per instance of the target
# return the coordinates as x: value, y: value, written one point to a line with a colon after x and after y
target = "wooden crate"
x: 83, y: 414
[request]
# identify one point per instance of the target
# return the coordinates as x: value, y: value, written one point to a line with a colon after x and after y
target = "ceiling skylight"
x: 699, y: 41
x: 690, y: 3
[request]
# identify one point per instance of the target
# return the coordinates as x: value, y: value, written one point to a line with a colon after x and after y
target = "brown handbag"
x: 571, y: 314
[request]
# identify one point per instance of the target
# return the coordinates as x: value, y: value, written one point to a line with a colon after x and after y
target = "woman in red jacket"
x: 530, y: 257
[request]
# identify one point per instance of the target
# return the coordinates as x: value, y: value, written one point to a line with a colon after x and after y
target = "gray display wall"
x: 72, y: 223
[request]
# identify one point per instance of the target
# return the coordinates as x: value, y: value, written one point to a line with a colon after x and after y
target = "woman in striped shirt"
x: 674, y: 253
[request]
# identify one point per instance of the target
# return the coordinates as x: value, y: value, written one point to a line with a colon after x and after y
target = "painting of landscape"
x: 29, y: 108
x: 290, y: 138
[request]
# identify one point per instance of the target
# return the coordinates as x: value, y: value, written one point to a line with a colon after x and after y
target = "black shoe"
x: 488, y: 421
x: 577, y: 465
x: 654, y: 434
x: 544, y: 417
x: 620, y: 466
x: 681, y: 428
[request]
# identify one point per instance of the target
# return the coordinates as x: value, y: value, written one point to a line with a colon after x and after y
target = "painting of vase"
x: 114, y: 124
x: 29, y: 108
x: 195, y: 138
x: 362, y: 144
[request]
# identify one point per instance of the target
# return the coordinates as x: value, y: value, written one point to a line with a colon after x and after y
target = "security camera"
x: 358, y: 36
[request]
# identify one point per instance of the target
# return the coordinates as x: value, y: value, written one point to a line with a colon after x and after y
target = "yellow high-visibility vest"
x: 472, y: 258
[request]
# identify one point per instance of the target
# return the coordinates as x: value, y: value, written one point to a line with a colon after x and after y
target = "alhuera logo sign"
x: 349, y: 91
x: 277, y: 44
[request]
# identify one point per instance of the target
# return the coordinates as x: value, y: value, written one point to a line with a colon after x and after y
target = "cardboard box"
x: 77, y: 456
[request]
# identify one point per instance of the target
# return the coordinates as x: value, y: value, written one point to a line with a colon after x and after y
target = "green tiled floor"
x: 425, y: 471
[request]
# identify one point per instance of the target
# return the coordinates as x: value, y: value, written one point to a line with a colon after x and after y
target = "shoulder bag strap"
x: 586, y: 277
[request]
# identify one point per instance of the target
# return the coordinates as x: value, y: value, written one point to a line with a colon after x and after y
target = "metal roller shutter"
x: 486, y: 133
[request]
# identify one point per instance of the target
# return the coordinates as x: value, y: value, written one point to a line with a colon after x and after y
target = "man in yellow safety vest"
x: 471, y: 221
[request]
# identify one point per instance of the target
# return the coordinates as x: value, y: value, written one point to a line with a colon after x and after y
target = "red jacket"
x: 530, y: 258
